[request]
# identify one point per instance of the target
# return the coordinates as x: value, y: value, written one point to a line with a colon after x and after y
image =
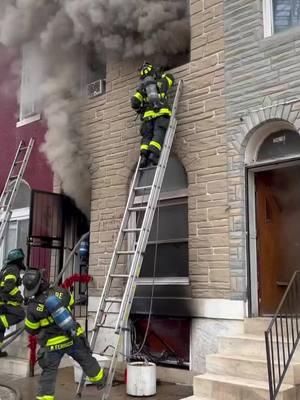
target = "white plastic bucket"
x: 141, y: 379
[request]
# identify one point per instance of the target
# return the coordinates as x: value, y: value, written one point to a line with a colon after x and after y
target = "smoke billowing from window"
x: 61, y: 29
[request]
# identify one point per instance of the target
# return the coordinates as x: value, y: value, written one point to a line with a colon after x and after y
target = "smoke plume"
x: 62, y: 30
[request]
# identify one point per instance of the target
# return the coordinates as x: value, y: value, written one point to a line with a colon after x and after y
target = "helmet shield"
x: 32, y: 280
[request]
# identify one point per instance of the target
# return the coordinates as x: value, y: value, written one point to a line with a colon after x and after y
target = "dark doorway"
x: 278, y: 233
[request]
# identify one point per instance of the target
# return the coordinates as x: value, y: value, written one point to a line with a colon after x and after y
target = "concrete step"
x: 19, y: 347
x: 247, y: 345
x: 195, y: 398
x: 257, y: 326
x: 224, y: 387
x: 246, y: 367
x: 14, y: 366
x: 20, y: 367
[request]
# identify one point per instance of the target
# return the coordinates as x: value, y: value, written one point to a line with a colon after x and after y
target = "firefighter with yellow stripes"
x: 49, y: 316
x: 11, y: 299
x: 151, y: 102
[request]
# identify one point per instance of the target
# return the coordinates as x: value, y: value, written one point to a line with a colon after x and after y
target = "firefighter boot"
x: 153, y: 159
x: 100, y: 385
x: 144, y: 161
x: 3, y: 354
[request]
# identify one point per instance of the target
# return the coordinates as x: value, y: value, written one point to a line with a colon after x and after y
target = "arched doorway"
x: 274, y: 212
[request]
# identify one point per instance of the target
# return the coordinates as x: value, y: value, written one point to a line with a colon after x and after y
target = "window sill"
x: 29, y: 120
x: 276, y: 39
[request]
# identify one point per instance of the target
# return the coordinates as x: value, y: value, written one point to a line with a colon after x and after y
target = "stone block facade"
x: 112, y: 138
x: 235, y: 81
x: 262, y: 84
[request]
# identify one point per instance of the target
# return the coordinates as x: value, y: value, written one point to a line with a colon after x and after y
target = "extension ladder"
x: 12, y: 184
x: 124, y: 303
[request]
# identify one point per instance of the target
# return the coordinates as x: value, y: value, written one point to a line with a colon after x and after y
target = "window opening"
x: 286, y: 14
x: 17, y: 229
x: 33, y: 68
x: 171, y: 243
x: 279, y: 144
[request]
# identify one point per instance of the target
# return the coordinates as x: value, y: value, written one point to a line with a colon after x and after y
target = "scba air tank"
x: 61, y: 315
x: 151, y: 90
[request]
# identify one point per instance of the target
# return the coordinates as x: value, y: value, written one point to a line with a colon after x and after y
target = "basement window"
x: 160, y: 338
x: 280, y: 15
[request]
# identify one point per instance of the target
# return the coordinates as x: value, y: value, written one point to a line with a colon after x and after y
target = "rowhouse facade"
x: 237, y: 123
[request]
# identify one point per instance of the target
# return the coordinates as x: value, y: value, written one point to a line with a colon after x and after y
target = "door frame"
x: 251, y: 229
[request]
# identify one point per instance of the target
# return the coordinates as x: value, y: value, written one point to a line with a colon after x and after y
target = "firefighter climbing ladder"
x: 12, y: 184
x: 136, y: 254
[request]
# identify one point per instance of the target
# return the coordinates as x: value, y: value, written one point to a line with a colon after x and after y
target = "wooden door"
x: 268, y: 214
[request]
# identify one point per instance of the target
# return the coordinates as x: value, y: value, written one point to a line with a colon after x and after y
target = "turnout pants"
x: 153, y: 134
x: 49, y: 362
x: 9, y: 316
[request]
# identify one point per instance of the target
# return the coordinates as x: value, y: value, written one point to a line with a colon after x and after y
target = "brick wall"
x: 112, y: 138
x: 259, y: 72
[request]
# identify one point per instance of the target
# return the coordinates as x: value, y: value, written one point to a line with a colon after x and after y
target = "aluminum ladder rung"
x: 142, y: 187
x: 119, y: 276
x: 13, y: 176
x: 148, y: 168
x: 110, y: 313
x: 137, y: 255
x: 125, y: 252
x: 113, y: 327
x: 23, y: 148
x: 99, y: 325
x: 140, y: 208
x: 113, y: 300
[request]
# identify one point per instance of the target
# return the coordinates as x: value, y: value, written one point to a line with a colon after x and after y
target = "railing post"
x: 269, y: 366
x: 288, y: 309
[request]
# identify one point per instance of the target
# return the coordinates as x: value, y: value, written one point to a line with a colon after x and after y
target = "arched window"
x: 280, y: 144
x: 17, y: 230
x: 166, y: 256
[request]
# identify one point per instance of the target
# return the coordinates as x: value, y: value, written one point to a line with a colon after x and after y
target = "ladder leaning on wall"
x: 12, y: 184
x: 124, y: 302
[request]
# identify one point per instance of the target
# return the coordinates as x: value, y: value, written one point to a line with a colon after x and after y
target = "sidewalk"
x: 66, y: 389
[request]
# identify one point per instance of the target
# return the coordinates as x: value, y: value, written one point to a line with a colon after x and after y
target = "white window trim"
x: 19, y: 214
x: 268, y: 18
x: 29, y: 120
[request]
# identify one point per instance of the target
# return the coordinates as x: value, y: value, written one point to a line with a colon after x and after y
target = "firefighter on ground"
x: 151, y: 102
x: 11, y: 299
x: 49, y: 316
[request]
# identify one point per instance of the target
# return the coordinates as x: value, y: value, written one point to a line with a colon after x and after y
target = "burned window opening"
x: 161, y: 340
x: 94, y: 71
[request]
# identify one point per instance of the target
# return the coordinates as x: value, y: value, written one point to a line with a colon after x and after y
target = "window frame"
x: 25, y: 119
x: 268, y: 18
x: 167, y: 199
x: 18, y: 214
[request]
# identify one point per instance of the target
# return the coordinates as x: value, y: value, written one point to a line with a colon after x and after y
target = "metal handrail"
x: 283, y: 335
x: 69, y: 258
